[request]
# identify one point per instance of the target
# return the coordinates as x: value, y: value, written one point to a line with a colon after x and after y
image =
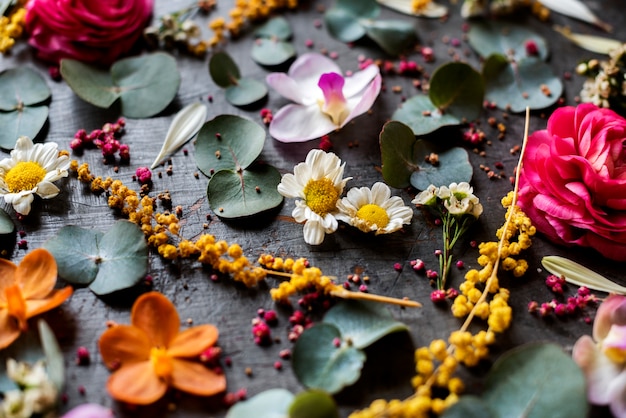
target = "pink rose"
x: 92, y: 31
x: 573, y: 182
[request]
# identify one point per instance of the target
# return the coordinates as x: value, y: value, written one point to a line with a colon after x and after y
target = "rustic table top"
x: 231, y: 307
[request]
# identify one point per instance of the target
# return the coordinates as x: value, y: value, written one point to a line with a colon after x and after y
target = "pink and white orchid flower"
x: 324, y: 99
x: 603, y: 358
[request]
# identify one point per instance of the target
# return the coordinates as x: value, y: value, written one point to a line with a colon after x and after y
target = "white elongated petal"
x: 313, y: 232
x: 308, y: 68
x: 617, y: 395
x: 576, y: 9
x: 20, y: 201
x: 297, y: 123
x: 362, y: 103
x: 47, y: 190
x: 579, y: 275
x: 289, y: 89
x: 184, y: 126
x: 597, y: 44
x: 358, y: 81
x: 431, y: 9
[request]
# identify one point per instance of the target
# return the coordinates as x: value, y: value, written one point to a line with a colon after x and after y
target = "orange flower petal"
x: 7, y: 276
x: 124, y: 344
x: 193, y: 341
x: 196, y: 379
x: 137, y: 384
x: 9, y: 330
x: 37, y: 274
x: 16, y: 306
x: 52, y: 300
x: 157, y: 317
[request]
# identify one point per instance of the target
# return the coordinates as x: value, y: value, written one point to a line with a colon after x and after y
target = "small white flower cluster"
x: 458, y: 199
x: 37, y: 395
x: 606, y: 81
x: 319, y: 183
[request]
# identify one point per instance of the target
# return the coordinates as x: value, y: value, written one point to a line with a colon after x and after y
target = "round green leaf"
x: 419, y: 114
x: 272, y: 51
x: 228, y: 142
x: 55, y: 365
x: 458, y: 89
x: 91, y: 84
x: 275, y: 28
x: 273, y: 403
x: 223, y: 70
x: 393, y: 36
x: 22, y: 87
x: 25, y: 122
x: 362, y: 323
x: 147, y: 84
x: 496, y: 37
x: 313, y: 404
x: 6, y: 223
x: 516, y: 86
x: 398, y: 152
x: 536, y: 380
x: 319, y: 364
x: 76, y: 252
x: 343, y: 25
x: 246, y: 92
x: 235, y: 194
x: 454, y: 166
x: 468, y: 407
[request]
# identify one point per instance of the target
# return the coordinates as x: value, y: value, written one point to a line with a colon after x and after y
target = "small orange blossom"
x: 151, y: 354
x: 27, y: 290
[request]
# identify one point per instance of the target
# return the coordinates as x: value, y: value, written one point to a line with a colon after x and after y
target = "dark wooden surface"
x: 81, y: 320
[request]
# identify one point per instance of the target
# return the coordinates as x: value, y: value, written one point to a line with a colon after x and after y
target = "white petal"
x: 576, y: 9
x: 599, y: 370
x: 289, y: 186
x: 308, y: 68
x: 21, y: 202
x: 296, y: 123
x: 362, y: 102
x: 617, y: 395
x: 289, y: 89
x: 358, y: 81
x: 47, y: 190
x: 313, y: 233
x: 380, y: 193
x: 329, y: 223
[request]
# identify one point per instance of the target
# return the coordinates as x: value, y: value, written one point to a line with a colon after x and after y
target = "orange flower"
x: 151, y: 354
x: 27, y: 290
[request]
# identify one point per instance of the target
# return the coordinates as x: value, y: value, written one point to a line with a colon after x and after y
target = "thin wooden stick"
x: 346, y: 294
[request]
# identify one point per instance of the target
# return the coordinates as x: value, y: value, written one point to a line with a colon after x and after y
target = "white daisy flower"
x: 427, y: 197
x: 319, y: 182
x: 30, y: 170
x: 460, y: 200
x: 374, y: 210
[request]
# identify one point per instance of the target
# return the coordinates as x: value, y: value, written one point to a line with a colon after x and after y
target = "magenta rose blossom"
x: 91, y: 31
x: 573, y: 181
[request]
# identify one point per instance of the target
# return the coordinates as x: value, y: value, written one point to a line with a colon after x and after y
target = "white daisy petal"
x: 22, y: 203
x: 313, y: 233
x: 47, y: 190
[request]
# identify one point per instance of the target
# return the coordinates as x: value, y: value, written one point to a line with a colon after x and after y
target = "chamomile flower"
x: 374, y: 210
x: 319, y: 182
x: 30, y: 170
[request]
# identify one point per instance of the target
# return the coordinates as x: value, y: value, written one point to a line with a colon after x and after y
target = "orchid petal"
x: 363, y: 103
x: 296, y: 123
x: 89, y: 410
x: 334, y: 100
x: 157, y: 317
x: 7, y: 275
x: 193, y: 341
x: 196, y: 379
x: 604, y: 316
x: 137, y: 384
x: 37, y: 274
x: 617, y: 395
x: 599, y: 370
x: 124, y: 344
x: 35, y: 307
x: 307, y: 70
x: 358, y: 81
x: 9, y: 330
x: 289, y: 89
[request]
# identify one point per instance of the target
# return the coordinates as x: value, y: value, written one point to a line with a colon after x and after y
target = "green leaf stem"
x: 144, y: 85
x: 106, y: 262
x: 22, y: 112
x: 239, y: 91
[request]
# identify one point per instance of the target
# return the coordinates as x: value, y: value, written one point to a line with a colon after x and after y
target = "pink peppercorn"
x: 144, y: 175
x: 278, y: 365
x: 262, y: 334
x: 82, y: 356
x: 418, y: 265
x: 271, y: 317
x: 211, y: 355
x: 325, y: 143
x: 452, y: 293
x: 432, y: 274
x: 297, y: 317
x: 531, y: 47
x: 438, y: 295
x: 533, y: 306
x: 308, y: 43
x: 337, y: 342
x: 363, y: 288
x: 438, y: 253
x: 460, y: 264
x: 124, y: 152
x: 397, y: 267
x: 428, y: 54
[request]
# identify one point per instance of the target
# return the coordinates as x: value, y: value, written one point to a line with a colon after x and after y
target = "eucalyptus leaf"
x: 320, y: 364
x: 247, y: 91
x: 107, y: 262
x: 313, y: 404
x: 536, y: 380
x: 228, y: 142
x: 496, y: 37
x: 343, y: 25
x: 6, y: 223
x: 362, y: 323
x: 22, y: 112
x: 223, y: 70
x: 273, y: 403
x: 236, y: 194
x: 398, y: 153
x: 421, y: 115
x: 457, y: 89
x: 271, y: 51
x: 468, y: 407
x: 55, y: 365
x: 393, y: 36
x: 454, y: 166
x: 527, y: 83
x: 275, y: 28
x: 144, y: 85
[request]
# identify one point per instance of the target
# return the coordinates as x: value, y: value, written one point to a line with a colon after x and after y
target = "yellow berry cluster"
x: 160, y: 229
x: 301, y: 277
x: 11, y: 28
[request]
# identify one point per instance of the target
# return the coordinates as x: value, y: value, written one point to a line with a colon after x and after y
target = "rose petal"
x: 193, y: 341
x: 157, y: 317
x: 124, y: 344
x: 196, y: 379
x: 37, y: 274
x: 136, y: 383
x: 296, y: 123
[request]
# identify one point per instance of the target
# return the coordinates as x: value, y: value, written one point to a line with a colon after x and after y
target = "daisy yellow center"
x: 321, y: 196
x: 161, y: 362
x: 24, y: 176
x: 373, y: 215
